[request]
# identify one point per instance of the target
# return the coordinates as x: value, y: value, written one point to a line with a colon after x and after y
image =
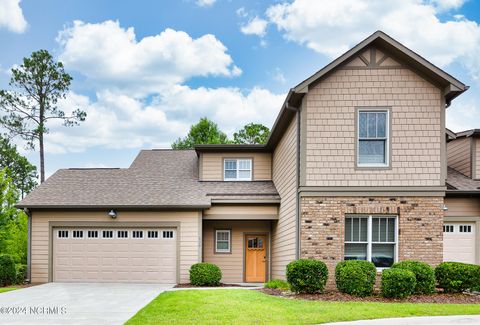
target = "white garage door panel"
x: 142, y: 260
x: 459, y: 246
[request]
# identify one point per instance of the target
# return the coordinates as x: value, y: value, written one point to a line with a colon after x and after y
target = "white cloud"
x: 255, y: 26
x: 11, y: 16
x: 205, y: 3
x: 241, y: 12
x: 118, y: 121
x: 463, y: 115
x: 110, y: 56
x: 279, y: 76
x: 447, y: 4
x: 332, y: 27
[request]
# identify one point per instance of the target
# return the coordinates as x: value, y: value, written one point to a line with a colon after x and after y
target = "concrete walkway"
x: 76, y: 303
x: 431, y: 320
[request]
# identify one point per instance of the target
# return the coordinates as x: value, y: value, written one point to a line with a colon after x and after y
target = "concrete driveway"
x: 76, y: 303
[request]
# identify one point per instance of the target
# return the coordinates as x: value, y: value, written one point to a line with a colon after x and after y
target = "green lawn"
x: 7, y: 289
x: 253, y: 307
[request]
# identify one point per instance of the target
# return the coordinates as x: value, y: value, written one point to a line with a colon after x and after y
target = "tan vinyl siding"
x: 211, y: 165
x: 459, y: 155
x: 190, y: 224
x: 285, y: 179
x: 231, y: 264
x: 477, y: 158
x: 462, y: 207
x: 416, y: 124
x: 241, y: 210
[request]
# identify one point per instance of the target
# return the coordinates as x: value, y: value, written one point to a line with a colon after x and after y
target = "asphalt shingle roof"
x: 458, y: 181
x: 156, y: 178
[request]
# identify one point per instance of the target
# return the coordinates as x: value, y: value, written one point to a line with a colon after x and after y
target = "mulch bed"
x: 333, y: 295
x: 222, y: 285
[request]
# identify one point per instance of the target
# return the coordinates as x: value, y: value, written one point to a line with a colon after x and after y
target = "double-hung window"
x: 371, y: 238
x: 238, y: 169
x: 373, y: 144
x: 222, y: 241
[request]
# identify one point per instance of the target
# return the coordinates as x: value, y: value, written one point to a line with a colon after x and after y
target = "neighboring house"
x: 461, y: 238
x: 355, y: 168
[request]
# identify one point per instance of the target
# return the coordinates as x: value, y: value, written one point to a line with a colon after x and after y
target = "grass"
x: 253, y: 307
x: 6, y: 289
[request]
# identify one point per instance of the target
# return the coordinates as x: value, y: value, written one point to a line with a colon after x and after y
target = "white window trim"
x: 144, y: 234
x: 237, y: 178
x: 98, y: 234
x: 153, y: 238
x: 229, y: 250
x: 116, y: 234
x: 165, y: 231
x: 58, y: 234
x: 83, y: 234
x: 387, y: 138
x: 369, y: 241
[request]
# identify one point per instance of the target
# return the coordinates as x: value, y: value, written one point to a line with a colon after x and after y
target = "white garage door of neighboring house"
x: 146, y: 255
x: 459, y: 242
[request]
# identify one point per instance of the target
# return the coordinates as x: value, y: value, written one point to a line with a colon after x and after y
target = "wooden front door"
x: 255, y: 258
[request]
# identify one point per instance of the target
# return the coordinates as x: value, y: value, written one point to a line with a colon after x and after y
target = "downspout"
x: 298, y: 241
x: 29, y: 244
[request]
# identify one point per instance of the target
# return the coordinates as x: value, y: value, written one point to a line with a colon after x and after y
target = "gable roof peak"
x: 451, y: 86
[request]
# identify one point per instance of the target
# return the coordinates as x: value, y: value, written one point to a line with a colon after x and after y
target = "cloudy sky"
x: 144, y: 71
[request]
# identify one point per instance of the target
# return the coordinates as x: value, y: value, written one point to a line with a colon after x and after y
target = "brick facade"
x: 420, y: 221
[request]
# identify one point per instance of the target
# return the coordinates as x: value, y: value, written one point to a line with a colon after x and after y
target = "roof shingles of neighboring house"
x: 457, y: 182
x: 156, y: 179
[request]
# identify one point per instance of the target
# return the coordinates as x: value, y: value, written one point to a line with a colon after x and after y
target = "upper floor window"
x: 373, y: 128
x: 237, y: 169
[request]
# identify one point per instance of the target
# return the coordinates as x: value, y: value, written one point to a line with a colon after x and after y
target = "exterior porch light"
x: 445, y: 208
x: 112, y: 213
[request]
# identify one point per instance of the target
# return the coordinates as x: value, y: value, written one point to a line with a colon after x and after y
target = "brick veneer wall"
x: 420, y: 221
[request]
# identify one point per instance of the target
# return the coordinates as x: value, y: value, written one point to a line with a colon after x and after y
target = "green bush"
x: 356, y: 278
x: 397, y: 283
x: 21, y: 273
x: 424, y: 274
x: 205, y: 274
x: 457, y: 277
x: 277, y: 284
x: 307, y: 276
x: 7, y: 270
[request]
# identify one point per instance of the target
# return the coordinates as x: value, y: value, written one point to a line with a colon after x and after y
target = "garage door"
x: 459, y: 242
x: 144, y: 255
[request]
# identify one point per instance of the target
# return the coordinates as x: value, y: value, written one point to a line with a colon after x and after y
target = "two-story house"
x: 355, y: 168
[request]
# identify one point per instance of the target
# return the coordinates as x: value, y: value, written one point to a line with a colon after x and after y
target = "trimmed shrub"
x: 356, y: 278
x: 277, y: 284
x: 424, y: 274
x: 307, y: 276
x: 397, y: 283
x: 21, y: 273
x: 8, y: 272
x: 457, y: 277
x: 205, y: 274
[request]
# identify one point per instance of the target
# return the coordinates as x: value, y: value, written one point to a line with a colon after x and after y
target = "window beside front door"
x: 237, y: 169
x: 372, y: 138
x: 222, y: 241
x: 371, y: 238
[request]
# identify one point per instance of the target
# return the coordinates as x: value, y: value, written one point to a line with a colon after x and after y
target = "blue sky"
x: 146, y: 70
